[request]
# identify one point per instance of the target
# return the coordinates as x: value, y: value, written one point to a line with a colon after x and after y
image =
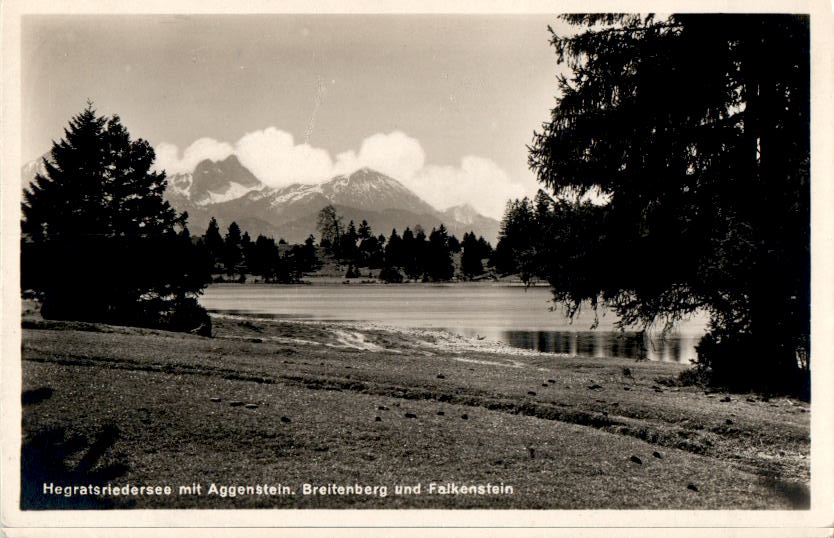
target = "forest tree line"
x: 414, y: 255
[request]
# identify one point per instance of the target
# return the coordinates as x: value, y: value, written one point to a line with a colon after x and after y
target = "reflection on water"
x: 630, y: 345
x: 517, y: 316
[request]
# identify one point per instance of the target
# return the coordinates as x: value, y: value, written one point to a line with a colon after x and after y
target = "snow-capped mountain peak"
x: 214, y: 182
x: 375, y: 191
x: 465, y: 214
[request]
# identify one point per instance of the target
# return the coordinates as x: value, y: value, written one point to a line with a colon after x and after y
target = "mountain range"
x: 228, y: 191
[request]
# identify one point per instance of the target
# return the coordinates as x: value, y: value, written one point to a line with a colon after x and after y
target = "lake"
x: 521, y: 317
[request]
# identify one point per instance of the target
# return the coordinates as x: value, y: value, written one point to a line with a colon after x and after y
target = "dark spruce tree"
x: 233, y: 250
x: 439, y: 265
x: 99, y: 242
x: 693, y: 131
x: 515, y: 251
x: 266, y: 258
x: 348, y: 250
x: 474, y: 253
x: 305, y: 255
x: 246, y: 246
x: 214, y: 244
x: 394, y: 253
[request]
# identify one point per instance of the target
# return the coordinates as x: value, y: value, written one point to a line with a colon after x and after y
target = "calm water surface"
x: 512, y: 314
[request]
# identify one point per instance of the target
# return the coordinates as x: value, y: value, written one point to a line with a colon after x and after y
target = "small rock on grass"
x: 636, y: 460
x: 235, y: 403
x: 692, y: 487
x: 656, y: 454
x: 285, y: 420
x: 251, y: 406
x: 215, y: 400
x: 378, y: 419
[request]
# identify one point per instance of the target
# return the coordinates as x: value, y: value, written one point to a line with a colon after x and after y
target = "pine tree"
x: 695, y: 129
x: 98, y: 239
x: 439, y: 266
x: 393, y: 250
x: 471, y: 261
x: 515, y: 250
x: 214, y: 242
x: 232, y: 249
x: 246, y: 246
x: 365, y: 230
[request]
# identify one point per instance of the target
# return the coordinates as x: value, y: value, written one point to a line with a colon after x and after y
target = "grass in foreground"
x: 321, y: 403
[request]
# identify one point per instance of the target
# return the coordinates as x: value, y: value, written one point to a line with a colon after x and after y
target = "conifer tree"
x: 439, y: 266
x: 232, y: 249
x: 471, y: 261
x: 214, y: 242
x: 98, y: 239
x: 694, y: 131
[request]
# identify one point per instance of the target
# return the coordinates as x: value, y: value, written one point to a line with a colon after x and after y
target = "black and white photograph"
x: 289, y: 263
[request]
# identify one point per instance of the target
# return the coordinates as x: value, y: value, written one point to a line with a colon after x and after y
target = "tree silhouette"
x: 439, y: 266
x: 474, y: 253
x: 233, y: 249
x: 693, y: 133
x: 99, y: 242
x: 214, y: 242
x: 329, y: 226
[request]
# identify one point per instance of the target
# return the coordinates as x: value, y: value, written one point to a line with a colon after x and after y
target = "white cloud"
x: 168, y: 159
x: 274, y: 157
x: 395, y: 154
x: 478, y: 182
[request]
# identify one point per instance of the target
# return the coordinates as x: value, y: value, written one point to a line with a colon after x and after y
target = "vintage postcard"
x: 390, y: 267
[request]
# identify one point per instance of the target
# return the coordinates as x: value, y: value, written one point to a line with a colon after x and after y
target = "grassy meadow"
x: 288, y: 403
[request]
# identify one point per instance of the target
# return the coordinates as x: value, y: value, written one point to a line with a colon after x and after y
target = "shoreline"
x: 328, y: 281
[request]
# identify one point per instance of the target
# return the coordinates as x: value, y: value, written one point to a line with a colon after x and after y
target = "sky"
x: 447, y: 104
